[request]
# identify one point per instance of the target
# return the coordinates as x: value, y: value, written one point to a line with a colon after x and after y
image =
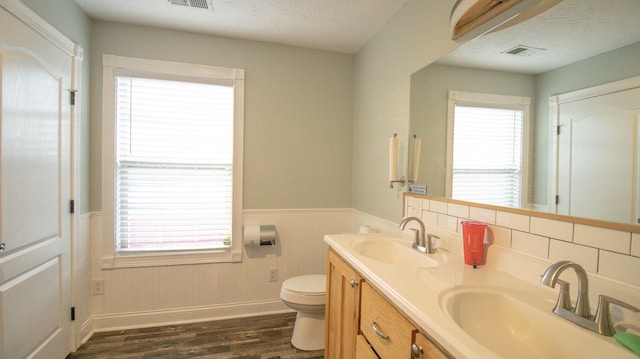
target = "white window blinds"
x: 174, y: 164
x: 487, y: 155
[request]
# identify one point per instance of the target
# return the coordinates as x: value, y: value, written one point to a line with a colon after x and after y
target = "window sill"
x: 156, y: 259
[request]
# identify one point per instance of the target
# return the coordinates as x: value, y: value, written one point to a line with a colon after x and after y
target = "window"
x: 487, y: 162
x: 174, y: 133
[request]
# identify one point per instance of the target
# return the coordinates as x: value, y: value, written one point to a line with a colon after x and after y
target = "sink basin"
x: 512, y: 328
x: 390, y: 250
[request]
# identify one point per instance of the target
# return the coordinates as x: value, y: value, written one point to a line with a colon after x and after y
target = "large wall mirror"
x: 574, y: 45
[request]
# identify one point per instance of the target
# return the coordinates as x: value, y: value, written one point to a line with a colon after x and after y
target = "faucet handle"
x: 430, y: 236
x: 603, y: 314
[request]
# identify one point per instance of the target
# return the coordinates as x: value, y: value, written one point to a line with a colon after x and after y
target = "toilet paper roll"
x: 251, y: 235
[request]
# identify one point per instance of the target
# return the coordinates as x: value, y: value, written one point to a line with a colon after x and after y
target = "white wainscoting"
x: 149, y: 296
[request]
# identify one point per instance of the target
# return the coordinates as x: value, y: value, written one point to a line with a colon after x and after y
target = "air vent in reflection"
x: 522, y: 50
x: 200, y: 4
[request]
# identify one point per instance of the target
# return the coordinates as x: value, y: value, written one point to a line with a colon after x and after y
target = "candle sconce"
x: 415, y: 165
x: 393, y: 162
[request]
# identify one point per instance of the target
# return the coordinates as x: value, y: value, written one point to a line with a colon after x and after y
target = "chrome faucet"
x: 581, y: 314
x: 419, y: 242
x: 550, y: 278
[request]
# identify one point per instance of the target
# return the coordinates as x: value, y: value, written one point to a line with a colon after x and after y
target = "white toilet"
x: 307, y: 295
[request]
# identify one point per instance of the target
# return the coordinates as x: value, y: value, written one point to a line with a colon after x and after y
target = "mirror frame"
x: 528, y: 212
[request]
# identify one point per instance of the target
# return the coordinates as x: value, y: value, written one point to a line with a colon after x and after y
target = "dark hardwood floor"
x: 248, y: 338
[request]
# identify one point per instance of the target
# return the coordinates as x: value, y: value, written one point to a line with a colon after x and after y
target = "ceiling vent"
x: 198, y: 4
x: 522, y: 50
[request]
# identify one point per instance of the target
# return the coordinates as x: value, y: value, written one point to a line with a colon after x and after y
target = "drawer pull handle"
x: 374, y: 326
x: 416, y: 351
x: 353, y: 283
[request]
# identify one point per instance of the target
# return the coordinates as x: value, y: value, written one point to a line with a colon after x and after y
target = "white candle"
x: 417, y: 143
x: 393, y: 158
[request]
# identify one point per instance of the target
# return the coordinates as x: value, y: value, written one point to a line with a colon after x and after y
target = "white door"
x: 598, y: 157
x: 35, y: 79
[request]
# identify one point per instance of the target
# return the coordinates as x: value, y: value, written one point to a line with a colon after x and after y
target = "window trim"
x: 490, y: 100
x: 114, y: 66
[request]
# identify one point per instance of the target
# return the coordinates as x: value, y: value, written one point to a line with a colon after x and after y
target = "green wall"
x: 417, y: 35
x: 298, y: 106
x: 298, y: 111
x: 429, y: 105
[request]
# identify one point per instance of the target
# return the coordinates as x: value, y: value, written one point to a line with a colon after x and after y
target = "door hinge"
x: 72, y: 206
x: 557, y: 199
x: 72, y: 97
x: 73, y: 313
x: 558, y: 130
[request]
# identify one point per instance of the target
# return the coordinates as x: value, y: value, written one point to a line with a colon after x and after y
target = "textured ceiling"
x: 572, y: 30
x: 336, y: 25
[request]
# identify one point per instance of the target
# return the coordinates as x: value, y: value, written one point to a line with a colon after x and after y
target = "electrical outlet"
x: 97, y: 287
x: 273, y: 275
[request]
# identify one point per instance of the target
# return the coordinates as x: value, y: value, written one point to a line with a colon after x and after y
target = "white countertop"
x: 419, y: 291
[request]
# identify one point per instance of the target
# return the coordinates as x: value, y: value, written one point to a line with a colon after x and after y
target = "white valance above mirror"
x: 472, y: 18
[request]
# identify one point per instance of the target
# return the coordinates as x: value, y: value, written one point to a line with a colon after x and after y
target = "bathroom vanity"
x: 387, y: 300
x: 361, y: 323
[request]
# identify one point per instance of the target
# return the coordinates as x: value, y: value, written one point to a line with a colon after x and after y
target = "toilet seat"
x: 305, y: 289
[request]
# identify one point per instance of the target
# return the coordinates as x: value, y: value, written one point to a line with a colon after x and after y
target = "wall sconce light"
x: 393, y: 162
x: 417, y: 144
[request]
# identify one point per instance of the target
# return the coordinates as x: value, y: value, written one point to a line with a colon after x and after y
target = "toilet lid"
x: 314, y: 284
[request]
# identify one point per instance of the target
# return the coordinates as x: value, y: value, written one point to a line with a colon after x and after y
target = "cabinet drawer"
x: 394, y: 333
x: 363, y: 349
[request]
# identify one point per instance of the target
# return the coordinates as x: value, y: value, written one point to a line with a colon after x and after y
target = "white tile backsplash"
x: 438, y: 206
x: 458, y: 210
x: 608, y: 239
x: 448, y: 222
x: 430, y: 218
x: 530, y: 244
x: 513, y: 220
x: 482, y: 215
x: 621, y: 267
x: 553, y: 229
x: 613, y: 254
x: 414, y: 207
x: 587, y: 257
x: 501, y: 236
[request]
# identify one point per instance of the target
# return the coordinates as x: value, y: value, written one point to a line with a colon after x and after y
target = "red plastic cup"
x: 473, y: 234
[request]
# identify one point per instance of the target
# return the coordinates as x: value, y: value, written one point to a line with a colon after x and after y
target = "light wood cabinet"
x: 342, y: 309
x: 427, y: 349
x: 388, y: 332
x: 364, y: 350
x: 354, y: 308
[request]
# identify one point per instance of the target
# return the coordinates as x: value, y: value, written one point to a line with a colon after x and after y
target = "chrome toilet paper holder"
x: 258, y: 234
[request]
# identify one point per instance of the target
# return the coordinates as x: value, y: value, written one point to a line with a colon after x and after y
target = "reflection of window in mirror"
x: 487, y: 148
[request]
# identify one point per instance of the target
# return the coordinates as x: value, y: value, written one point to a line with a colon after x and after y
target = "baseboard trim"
x: 144, y: 319
x: 86, y: 331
